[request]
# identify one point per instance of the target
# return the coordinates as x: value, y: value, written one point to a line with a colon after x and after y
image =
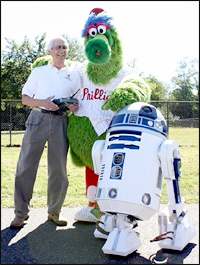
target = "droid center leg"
x: 118, y: 230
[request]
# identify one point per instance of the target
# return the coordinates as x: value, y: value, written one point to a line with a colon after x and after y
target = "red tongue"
x: 97, y: 52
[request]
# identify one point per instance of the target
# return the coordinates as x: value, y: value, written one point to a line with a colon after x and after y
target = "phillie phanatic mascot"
x: 107, y: 86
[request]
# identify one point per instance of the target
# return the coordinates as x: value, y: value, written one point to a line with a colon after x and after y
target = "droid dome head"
x: 142, y: 116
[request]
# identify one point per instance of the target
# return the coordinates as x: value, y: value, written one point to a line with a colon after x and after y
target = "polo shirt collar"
x: 53, y: 67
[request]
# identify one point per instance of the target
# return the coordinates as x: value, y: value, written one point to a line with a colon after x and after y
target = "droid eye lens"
x: 147, y: 109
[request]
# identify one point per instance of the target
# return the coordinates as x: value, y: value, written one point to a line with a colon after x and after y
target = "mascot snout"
x: 98, y: 50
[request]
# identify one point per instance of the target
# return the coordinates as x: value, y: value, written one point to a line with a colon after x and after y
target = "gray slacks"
x: 42, y: 128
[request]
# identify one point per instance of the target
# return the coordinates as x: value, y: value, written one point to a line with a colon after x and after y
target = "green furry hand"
x: 127, y: 93
x: 41, y: 61
x: 44, y: 60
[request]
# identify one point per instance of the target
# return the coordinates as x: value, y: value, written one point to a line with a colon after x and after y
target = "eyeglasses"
x: 58, y: 47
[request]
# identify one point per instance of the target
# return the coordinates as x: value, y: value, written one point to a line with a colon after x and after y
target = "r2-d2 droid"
x: 131, y: 163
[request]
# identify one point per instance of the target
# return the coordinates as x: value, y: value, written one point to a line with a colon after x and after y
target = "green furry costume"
x: 101, y: 68
x: 107, y: 86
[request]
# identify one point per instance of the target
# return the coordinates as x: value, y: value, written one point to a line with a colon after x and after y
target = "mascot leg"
x: 91, y: 186
x: 91, y: 213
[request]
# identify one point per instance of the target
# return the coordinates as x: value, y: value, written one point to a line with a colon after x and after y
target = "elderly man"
x: 45, y: 124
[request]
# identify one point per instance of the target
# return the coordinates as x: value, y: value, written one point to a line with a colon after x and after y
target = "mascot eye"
x: 93, y: 32
x: 102, y: 29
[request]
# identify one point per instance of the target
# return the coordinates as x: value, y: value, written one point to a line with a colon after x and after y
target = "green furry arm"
x: 41, y: 61
x: 126, y: 93
x: 44, y: 60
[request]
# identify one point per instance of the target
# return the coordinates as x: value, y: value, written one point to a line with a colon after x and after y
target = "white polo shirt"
x: 93, y: 96
x: 47, y: 80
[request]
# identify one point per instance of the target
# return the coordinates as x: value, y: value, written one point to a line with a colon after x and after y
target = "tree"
x: 76, y: 50
x: 186, y: 88
x: 15, y: 65
x: 158, y: 89
x: 186, y: 83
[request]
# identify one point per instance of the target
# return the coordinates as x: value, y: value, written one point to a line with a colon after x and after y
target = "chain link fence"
x: 178, y: 114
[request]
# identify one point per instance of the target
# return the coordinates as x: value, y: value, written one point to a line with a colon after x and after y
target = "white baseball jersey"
x: 93, y: 97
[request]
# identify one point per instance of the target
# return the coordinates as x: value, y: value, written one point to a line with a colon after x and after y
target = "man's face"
x: 58, y: 51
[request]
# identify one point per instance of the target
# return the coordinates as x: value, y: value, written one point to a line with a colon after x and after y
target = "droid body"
x: 131, y: 163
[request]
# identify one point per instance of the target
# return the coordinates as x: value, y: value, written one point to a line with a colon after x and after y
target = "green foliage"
x: 158, y: 91
x: 183, y: 87
x: 76, y: 49
x: 164, y: 109
x: 186, y: 83
x: 16, y: 65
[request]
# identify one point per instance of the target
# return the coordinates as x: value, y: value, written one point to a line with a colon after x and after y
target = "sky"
x: 157, y: 33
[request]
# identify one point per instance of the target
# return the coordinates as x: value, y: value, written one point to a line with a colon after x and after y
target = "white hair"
x: 50, y: 43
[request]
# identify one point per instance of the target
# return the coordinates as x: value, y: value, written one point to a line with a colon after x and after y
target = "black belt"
x: 57, y: 112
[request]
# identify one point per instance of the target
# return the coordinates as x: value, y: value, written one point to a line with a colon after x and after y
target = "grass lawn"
x: 187, y: 138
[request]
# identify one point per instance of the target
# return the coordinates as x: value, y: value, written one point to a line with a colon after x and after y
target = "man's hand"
x: 72, y: 107
x: 67, y: 104
x: 49, y: 105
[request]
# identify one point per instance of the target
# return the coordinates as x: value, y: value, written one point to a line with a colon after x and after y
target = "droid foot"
x: 87, y: 214
x: 121, y: 242
x: 180, y: 237
x: 177, y: 231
